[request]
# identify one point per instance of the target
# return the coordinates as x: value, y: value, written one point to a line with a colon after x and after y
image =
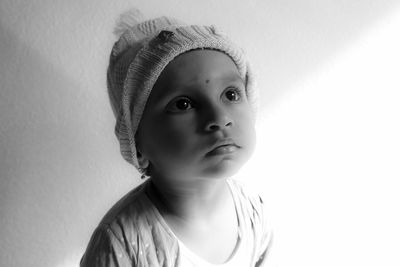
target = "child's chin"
x: 223, y: 169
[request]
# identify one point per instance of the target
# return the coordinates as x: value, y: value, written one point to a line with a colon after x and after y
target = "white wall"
x: 328, y: 130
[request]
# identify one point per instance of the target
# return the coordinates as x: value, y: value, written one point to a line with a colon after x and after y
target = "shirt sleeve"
x: 266, y: 239
x: 105, y: 250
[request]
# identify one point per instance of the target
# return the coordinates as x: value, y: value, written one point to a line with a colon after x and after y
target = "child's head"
x: 183, y: 97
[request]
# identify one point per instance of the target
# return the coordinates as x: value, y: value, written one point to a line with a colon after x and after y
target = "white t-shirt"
x: 133, y: 233
x: 241, y: 256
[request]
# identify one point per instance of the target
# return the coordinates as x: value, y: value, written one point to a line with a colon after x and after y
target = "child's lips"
x: 222, y: 150
x: 222, y: 147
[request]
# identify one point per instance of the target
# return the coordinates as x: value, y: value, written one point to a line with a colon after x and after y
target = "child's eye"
x: 233, y: 94
x: 180, y: 104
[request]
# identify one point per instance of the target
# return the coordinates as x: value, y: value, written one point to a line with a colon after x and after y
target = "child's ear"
x: 143, y: 162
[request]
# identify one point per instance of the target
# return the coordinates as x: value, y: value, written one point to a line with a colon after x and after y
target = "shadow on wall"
x: 45, y: 159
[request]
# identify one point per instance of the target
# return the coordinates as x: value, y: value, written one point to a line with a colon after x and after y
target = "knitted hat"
x: 143, y: 50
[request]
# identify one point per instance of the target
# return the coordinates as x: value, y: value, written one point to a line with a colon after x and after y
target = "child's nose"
x: 217, y: 119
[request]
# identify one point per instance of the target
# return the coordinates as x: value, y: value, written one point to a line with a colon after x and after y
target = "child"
x: 184, y: 101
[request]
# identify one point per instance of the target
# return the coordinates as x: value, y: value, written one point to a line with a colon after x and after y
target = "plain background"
x: 328, y: 143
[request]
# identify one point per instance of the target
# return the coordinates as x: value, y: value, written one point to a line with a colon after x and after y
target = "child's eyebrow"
x: 234, y: 78
x: 167, y: 92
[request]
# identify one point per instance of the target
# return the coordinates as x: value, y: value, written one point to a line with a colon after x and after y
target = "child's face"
x: 197, y: 122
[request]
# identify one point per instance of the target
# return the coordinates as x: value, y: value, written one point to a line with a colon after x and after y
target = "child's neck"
x: 190, y: 201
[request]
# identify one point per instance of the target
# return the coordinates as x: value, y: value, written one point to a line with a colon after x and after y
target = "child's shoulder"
x: 254, y: 208
x: 252, y: 205
x: 246, y: 193
x: 128, y: 207
x: 133, y: 213
x: 131, y: 227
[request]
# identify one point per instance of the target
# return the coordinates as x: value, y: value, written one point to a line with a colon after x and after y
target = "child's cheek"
x: 245, y: 122
x: 177, y: 132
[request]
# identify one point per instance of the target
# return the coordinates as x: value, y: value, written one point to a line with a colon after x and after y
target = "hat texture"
x: 143, y: 50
